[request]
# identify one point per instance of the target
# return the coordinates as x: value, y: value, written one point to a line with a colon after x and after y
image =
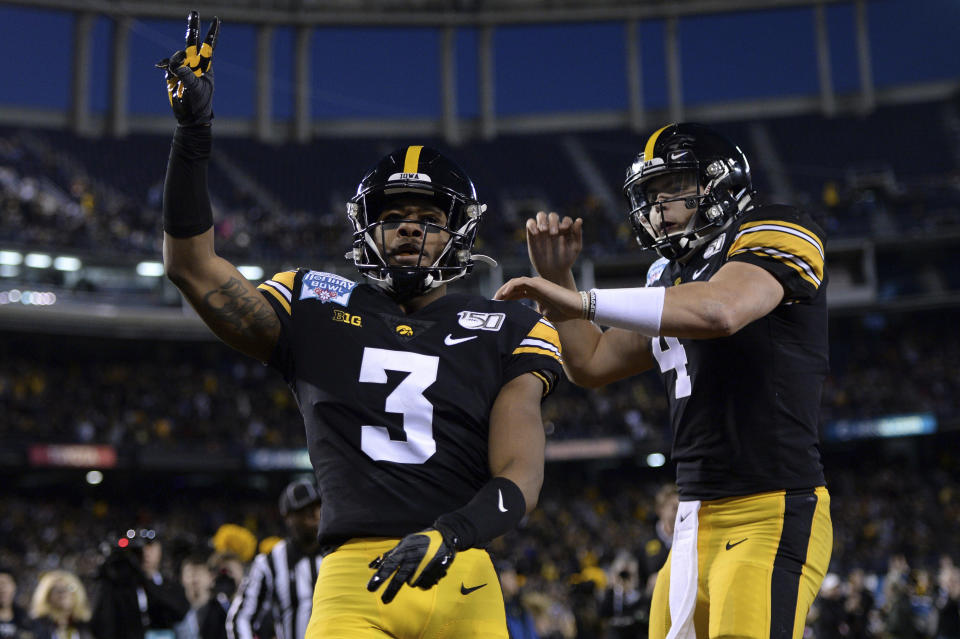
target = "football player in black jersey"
x: 422, y: 408
x: 734, y: 318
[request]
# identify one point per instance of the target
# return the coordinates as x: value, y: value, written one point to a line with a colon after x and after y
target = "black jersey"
x: 744, y: 408
x: 397, y: 406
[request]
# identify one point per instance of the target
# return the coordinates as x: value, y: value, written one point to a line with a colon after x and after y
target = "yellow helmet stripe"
x: 411, y: 160
x: 648, y: 150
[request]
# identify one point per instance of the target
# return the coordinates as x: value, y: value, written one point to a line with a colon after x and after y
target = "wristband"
x: 186, y: 202
x: 635, y: 309
x: 584, y: 305
x: 496, y: 508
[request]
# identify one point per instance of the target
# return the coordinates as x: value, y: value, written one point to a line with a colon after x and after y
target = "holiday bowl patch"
x: 656, y: 270
x: 326, y: 287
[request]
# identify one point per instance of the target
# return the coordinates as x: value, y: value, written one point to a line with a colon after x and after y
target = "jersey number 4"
x: 406, y: 399
x: 673, y: 358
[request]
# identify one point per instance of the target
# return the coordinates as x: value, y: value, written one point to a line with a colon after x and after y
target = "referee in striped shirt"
x: 280, y: 583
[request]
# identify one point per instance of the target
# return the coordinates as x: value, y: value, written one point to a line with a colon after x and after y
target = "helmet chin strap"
x: 403, y: 286
x: 690, y: 245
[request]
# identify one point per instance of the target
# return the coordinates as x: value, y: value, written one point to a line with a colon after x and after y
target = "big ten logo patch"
x: 347, y: 318
x: 477, y: 321
x: 404, y: 330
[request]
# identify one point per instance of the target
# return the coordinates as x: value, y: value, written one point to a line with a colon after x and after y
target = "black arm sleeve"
x: 186, y: 203
x: 496, y: 508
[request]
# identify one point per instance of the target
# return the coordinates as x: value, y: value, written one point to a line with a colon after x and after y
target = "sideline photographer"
x: 134, y: 600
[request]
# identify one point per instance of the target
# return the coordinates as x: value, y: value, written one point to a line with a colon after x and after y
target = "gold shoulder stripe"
x: 411, y: 161
x: 286, y: 278
x: 799, y: 230
x: 786, y: 242
x: 781, y: 242
x: 536, y: 350
x: 652, y: 141
x: 278, y: 296
x: 801, y: 267
x: 547, y: 333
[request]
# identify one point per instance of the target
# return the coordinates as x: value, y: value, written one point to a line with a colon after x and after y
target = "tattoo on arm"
x: 232, y: 307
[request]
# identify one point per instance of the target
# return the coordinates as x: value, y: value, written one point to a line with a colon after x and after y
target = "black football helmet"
x: 417, y: 171
x: 723, y: 185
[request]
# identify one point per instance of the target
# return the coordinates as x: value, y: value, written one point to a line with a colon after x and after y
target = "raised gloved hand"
x: 189, y: 75
x: 421, y: 559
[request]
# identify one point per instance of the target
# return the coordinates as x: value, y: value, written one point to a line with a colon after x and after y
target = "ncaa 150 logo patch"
x: 477, y: 321
x: 327, y: 287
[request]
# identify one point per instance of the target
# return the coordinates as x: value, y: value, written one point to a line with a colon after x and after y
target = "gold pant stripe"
x: 467, y: 602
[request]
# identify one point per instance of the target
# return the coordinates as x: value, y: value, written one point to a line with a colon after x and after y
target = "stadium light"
x: 27, y: 298
x: 67, y: 263
x: 150, y: 269
x: 38, y: 260
x: 94, y: 477
x: 656, y: 460
x: 10, y: 258
x: 251, y: 272
x: 7, y: 270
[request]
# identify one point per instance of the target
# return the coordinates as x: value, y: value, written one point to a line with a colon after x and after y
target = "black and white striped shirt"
x: 280, y: 584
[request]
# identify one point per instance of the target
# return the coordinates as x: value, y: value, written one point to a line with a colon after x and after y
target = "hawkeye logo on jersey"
x: 327, y: 287
x: 477, y: 321
x: 347, y: 318
x: 404, y: 330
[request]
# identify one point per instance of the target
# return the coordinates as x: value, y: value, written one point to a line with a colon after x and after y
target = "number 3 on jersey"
x: 673, y: 358
x: 407, y: 399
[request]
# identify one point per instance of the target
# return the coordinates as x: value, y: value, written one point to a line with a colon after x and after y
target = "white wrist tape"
x: 635, y: 309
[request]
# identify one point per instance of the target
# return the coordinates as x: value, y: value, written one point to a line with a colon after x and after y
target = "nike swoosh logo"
x: 500, y: 498
x: 697, y: 273
x: 466, y: 591
x: 683, y: 517
x: 450, y: 340
x: 729, y: 545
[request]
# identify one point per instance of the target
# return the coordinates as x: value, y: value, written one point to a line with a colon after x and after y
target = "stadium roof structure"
x: 422, y: 12
x: 449, y: 17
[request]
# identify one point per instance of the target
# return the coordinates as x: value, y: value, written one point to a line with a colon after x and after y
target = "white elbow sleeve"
x: 634, y: 309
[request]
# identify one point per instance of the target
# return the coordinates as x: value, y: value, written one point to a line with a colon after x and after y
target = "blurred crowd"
x: 75, y: 567
x: 592, y: 554
x: 131, y: 394
x: 48, y: 200
x: 58, y: 191
x: 582, y: 565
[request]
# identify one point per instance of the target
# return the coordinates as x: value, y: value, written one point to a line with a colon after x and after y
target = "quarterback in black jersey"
x: 422, y: 409
x: 733, y: 317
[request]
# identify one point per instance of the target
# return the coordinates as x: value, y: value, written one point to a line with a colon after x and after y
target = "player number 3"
x: 406, y: 399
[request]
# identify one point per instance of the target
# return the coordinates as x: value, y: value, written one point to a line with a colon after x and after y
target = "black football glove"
x: 189, y: 74
x: 429, y: 551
